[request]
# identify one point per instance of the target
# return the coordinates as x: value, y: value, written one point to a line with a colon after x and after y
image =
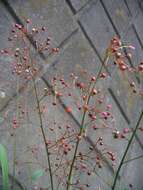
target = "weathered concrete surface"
x: 77, y: 4
x: 53, y: 14
x: 91, y: 20
x: 82, y: 35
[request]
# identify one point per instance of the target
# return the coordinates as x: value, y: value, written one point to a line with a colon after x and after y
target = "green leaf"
x: 4, y: 166
x: 37, y: 174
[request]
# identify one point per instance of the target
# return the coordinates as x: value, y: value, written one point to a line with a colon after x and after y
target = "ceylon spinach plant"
x: 66, y: 161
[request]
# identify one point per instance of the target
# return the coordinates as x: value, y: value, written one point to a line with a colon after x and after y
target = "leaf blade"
x: 4, y: 166
x: 37, y: 174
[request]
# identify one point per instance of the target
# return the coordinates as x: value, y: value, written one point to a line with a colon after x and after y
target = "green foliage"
x: 37, y: 174
x: 4, y: 166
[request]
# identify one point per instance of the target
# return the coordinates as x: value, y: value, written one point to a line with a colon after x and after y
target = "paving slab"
x: 130, y: 102
x: 84, y: 59
x: 78, y: 4
x: 53, y: 14
x: 133, y: 7
x: 7, y: 80
x: 30, y: 154
x: 130, y: 37
x: 98, y: 29
x: 119, y: 13
x: 29, y: 143
x: 138, y: 25
x: 76, y: 55
x: 130, y: 177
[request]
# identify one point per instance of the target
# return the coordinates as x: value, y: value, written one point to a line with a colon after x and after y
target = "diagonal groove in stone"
x: 123, y: 114
x: 140, y: 5
x: 91, y: 44
x: 16, y: 18
x: 137, y: 35
x: 61, y: 45
x: 125, y: 1
x: 42, y: 71
x: 66, y: 40
x: 78, y: 124
x: 116, y: 31
x: 119, y: 106
x: 109, y: 17
x: 89, y: 1
x: 71, y: 6
x: 132, y: 23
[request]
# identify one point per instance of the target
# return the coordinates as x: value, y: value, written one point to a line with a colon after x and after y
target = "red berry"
x: 68, y: 109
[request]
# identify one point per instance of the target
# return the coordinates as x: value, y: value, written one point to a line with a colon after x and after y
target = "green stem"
x: 14, y: 143
x: 69, y: 181
x: 43, y: 134
x: 126, y: 151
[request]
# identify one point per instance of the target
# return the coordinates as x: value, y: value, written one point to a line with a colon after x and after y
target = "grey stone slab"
x: 130, y: 37
x: 129, y: 177
x: 28, y: 137
x: 97, y: 27
x: 118, y: 13
x: 63, y: 67
x: 117, y: 123
x: 7, y: 80
x: 77, y: 57
x: 53, y: 21
x: 138, y: 26
x: 54, y: 15
x: 78, y: 4
x: 10, y: 83
x: 133, y: 7
x: 28, y: 134
x: 130, y: 102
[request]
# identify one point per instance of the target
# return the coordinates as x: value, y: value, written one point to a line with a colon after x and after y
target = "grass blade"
x: 4, y: 166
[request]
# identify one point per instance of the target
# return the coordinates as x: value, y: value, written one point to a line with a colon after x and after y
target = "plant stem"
x: 69, y: 181
x: 126, y: 151
x: 14, y: 143
x: 43, y: 134
x: 75, y: 153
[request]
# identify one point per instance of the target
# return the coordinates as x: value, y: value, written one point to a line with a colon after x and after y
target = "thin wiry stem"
x: 126, y: 151
x: 69, y: 181
x: 43, y: 134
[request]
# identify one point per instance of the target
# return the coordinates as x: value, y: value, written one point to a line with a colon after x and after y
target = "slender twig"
x: 69, y: 181
x: 14, y: 143
x: 75, y: 153
x: 41, y: 122
x: 43, y: 134
x: 126, y: 151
